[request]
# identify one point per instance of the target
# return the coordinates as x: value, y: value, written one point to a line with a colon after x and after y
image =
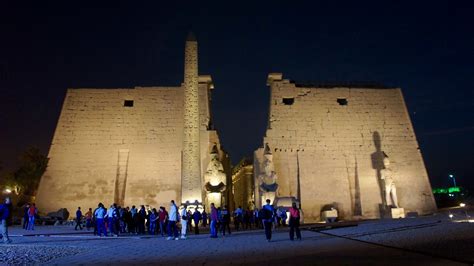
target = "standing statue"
x: 389, y: 185
x: 268, y: 179
x: 215, y: 178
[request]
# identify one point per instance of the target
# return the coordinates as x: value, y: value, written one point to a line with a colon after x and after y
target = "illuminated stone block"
x: 397, y: 213
x: 329, y: 216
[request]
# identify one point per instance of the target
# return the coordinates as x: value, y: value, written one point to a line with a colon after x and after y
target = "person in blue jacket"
x: 268, y: 219
x: 4, y: 215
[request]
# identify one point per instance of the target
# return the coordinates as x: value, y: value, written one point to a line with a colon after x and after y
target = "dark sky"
x: 425, y: 48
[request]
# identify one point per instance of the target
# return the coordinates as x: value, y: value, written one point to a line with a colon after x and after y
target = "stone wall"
x: 243, y: 184
x: 328, y: 145
x: 105, y: 151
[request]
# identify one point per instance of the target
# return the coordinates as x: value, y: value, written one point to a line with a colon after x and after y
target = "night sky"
x: 425, y: 48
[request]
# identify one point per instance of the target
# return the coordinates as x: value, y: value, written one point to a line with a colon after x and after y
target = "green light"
x: 447, y: 190
x: 454, y: 189
x: 440, y: 191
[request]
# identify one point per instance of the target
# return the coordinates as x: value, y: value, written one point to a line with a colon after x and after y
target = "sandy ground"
x: 431, y: 240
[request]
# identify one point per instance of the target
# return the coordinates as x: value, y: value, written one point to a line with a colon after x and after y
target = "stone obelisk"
x: 191, y: 162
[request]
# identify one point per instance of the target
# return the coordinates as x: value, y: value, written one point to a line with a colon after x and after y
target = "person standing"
x: 129, y: 220
x: 275, y: 219
x: 219, y: 219
x: 248, y: 219
x: 163, y: 216
x: 141, y: 220
x: 172, y: 220
x: 99, y: 215
x: 25, y: 216
x: 121, y: 219
x: 94, y: 221
x: 184, y: 221
x: 110, y: 219
x: 4, y: 216
x: 204, y: 218
x: 196, y: 217
x: 116, y: 219
x: 132, y: 228
x: 284, y: 217
x: 88, y: 216
x: 147, y: 217
x: 190, y: 218
x: 31, y: 217
x: 153, y: 220
x: 294, y: 222
x: 278, y: 217
x: 268, y: 219
x: 256, y: 218
x: 225, y: 220
x: 213, y: 218
x: 78, y: 218
x: 238, y: 217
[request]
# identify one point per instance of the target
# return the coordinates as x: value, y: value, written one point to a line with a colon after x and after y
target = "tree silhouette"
x: 25, y: 179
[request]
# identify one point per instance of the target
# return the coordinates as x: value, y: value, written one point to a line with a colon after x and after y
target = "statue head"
x: 214, y: 152
x: 268, y: 153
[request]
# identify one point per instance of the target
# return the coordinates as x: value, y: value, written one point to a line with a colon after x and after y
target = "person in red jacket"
x: 31, y: 217
x: 295, y: 222
x: 163, y: 217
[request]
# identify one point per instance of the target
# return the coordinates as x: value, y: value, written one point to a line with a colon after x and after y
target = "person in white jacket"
x: 172, y: 220
x: 110, y: 216
x: 184, y: 221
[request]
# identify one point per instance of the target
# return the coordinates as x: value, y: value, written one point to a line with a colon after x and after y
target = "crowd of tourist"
x: 115, y: 220
x: 176, y: 222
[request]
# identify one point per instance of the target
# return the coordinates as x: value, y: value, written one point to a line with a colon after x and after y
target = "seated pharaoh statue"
x: 215, y: 178
x: 268, y: 179
x: 389, y: 184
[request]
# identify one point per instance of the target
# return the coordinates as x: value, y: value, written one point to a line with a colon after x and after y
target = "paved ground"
x: 431, y: 240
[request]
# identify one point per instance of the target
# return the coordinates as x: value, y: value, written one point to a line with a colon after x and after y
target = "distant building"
x: 243, y: 184
x: 325, y: 146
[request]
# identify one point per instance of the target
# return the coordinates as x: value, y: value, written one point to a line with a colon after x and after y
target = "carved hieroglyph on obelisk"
x: 191, y: 189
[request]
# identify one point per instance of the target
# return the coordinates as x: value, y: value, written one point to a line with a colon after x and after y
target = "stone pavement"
x: 238, y: 248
